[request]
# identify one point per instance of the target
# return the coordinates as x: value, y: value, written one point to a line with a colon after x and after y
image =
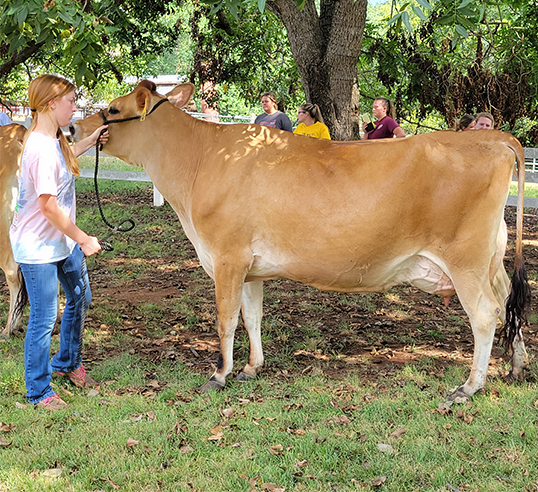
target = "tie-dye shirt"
x: 43, y: 172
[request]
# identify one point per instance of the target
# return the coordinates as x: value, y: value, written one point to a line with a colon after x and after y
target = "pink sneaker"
x: 79, y: 378
x: 52, y: 403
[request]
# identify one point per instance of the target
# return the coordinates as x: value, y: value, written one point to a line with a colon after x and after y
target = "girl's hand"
x: 90, y: 246
x: 103, y: 139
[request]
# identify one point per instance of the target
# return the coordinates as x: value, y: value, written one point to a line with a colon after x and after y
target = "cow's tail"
x: 22, y: 297
x: 519, y: 297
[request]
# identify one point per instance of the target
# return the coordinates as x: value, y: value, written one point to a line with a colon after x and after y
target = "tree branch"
x: 18, y: 57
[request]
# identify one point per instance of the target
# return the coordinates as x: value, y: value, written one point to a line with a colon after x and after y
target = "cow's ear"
x: 143, y: 101
x: 180, y: 95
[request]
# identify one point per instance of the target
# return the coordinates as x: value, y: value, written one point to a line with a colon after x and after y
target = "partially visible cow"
x: 11, y: 137
x: 259, y: 203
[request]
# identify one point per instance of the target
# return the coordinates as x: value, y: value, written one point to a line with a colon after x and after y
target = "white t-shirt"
x: 43, y: 172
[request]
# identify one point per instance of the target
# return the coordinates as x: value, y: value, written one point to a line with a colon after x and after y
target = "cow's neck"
x: 170, y: 153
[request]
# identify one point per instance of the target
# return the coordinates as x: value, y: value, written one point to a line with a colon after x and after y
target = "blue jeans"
x: 42, y: 286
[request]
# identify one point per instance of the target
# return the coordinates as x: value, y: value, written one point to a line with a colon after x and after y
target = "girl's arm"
x: 58, y: 218
x: 80, y: 147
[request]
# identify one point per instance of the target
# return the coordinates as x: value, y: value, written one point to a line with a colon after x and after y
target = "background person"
x: 4, y: 119
x: 466, y: 122
x: 46, y: 242
x: 311, y: 122
x: 271, y: 116
x: 385, y: 126
x: 484, y: 121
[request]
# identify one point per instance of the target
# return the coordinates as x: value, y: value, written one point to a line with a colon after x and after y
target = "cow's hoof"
x: 243, y: 377
x: 458, y: 396
x: 512, y: 377
x: 211, y: 385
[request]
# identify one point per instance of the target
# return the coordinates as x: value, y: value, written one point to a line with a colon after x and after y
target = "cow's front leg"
x: 252, y: 311
x: 228, y: 289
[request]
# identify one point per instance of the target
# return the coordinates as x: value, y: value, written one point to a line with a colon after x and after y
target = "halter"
x: 118, y: 228
x: 132, y: 118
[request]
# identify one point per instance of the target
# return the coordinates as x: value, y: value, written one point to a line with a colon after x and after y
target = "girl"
x: 46, y: 242
x: 272, y: 117
x: 385, y: 126
x: 311, y: 122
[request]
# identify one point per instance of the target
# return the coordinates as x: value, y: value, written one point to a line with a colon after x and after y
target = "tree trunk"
x: 326, y: 48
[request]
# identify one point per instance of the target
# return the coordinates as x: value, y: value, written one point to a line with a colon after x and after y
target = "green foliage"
x: 85, y: 41
x: 249, y: 53
x: 460, y: 60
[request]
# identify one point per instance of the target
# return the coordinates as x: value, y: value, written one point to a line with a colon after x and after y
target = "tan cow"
x: 11, y: 137
x: 259, y: 203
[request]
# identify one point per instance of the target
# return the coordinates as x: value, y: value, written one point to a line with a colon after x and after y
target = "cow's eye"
x: 113, y: 111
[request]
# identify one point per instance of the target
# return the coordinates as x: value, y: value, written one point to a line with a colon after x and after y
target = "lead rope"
x: 114, y: 229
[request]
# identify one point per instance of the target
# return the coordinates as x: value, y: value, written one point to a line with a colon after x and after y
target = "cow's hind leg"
x: 252, y: 311
x: 483, y: 310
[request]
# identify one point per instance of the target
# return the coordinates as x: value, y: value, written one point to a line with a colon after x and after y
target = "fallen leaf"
x: 216, y: 433
x: 302, y: 464
x: 398, y: 432
x: 379, y: 481
x: 228, y: 413
x: 186, y: 449
x: 135, y: 418
x: 298, y: 432
x: 276, y: 450
x: 151, y: 416
x: 385, y: 448
x: 20, y: 406
x: 4, y: 444
x: 93, y: 393
x: 52, y: 473
x: 132, y: 442
x: 6, y: 427
x: 273, y: 487
x: 177, y: 429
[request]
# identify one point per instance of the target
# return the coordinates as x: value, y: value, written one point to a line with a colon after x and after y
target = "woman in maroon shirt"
x: 385, y: 126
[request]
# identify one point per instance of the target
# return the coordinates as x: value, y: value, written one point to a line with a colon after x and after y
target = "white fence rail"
x: 531, y: 176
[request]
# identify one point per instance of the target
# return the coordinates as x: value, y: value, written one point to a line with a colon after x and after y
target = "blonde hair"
x: 485, y: 114
x: 41, y: 91
x: 314, y: 111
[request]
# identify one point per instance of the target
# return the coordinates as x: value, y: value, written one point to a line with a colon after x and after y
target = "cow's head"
x: 123, y: 111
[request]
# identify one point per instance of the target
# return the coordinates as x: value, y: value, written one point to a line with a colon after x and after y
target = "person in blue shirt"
x: 4, y: 119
